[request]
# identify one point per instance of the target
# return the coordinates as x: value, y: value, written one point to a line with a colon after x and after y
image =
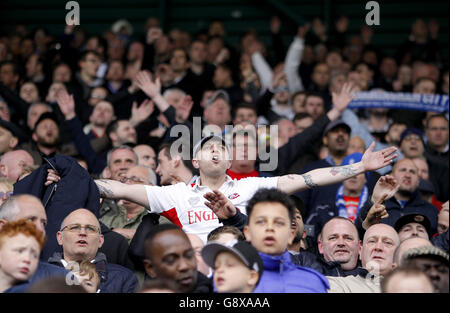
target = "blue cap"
x: 354, y: 158
x: 410, y: 130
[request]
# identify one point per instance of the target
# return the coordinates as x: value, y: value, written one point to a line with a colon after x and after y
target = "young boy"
x: 237, y: 266
x: 270, y: 215
x: 86, y: 275
x: 20, y: 245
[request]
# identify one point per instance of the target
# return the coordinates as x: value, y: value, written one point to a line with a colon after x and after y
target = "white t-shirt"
x: 184, y: 205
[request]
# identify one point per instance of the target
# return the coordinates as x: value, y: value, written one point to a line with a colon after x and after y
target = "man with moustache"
x: 400, y: 202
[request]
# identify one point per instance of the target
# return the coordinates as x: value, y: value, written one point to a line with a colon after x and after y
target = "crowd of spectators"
x: 89, y: 133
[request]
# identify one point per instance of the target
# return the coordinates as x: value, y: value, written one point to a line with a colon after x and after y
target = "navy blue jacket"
x: 113, y: 278
x: 415, y: 205
x: 43, y: 271
x: 75, y: 190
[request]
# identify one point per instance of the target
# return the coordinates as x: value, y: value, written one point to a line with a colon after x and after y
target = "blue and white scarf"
x: 340, y: 203
x: 400, y: 100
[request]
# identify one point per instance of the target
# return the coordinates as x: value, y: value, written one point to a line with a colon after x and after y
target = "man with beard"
x: 336, y: 137
x: 46, y: 141
x: 404, y: 201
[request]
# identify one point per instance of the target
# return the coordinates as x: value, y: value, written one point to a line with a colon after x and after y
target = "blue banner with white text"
x: 400, y: 100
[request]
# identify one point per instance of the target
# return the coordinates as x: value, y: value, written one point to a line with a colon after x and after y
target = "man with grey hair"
x: 30, y: 208
x: 127, y: 220
x: 118, y: 161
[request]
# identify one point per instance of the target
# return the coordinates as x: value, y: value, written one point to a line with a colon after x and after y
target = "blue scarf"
x: 400, y: 100
x: 340, y: 203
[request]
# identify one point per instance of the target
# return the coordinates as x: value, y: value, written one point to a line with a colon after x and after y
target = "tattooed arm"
x: 331, y: 175
x: 320, y: 177
x: 112, y: 189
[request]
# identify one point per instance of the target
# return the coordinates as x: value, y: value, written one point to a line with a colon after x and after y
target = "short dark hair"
x: 437, y: 115
x: 15, y: 66
x: 86, y: 52
x: 154, y: 231
x: 227, y: 229
x: 314, y: 94
x: 271, y: 195
x: 167, y: 146
x: 301, y: 115
x: 244, y: 105
x: 159, y: 283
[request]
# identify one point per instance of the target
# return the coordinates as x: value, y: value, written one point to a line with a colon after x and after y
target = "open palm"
x: 379, y: 159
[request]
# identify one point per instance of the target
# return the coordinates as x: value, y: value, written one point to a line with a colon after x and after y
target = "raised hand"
x: 375, y: 160
x: 220, y: 205
x: 376, y: 213
x: 145, y: 83
x: 385, y: 188
x: 344, y: 97
x: 153, y: 34
x: 66, y: 104
x: 302, y: 30
x: 141, y: 113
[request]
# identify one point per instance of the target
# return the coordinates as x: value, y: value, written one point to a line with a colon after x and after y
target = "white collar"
x: 196, y: 184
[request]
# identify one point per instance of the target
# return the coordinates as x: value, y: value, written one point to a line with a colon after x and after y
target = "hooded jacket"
x: 113, y: 278
x: 282, y: 276
x: 75, y: 190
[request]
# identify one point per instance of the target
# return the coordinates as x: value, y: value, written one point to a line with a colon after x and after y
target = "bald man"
x: 402, y: 196
x: 80, y: 237
x: 377, y: 257
x: 12, y: 164
x: 30, y: 208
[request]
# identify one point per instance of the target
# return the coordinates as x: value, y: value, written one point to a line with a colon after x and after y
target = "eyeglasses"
x: 76, y: 228
x: 132, y: 179
x: 8, y: 194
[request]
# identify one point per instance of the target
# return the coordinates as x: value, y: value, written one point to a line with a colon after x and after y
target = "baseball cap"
x: 241, y: 249
x: 199, y: 145
x: 408, y: 131
x: 14, y: 129
x: 220, y: 94
x: 413, y: 218
x: 429, y: 251
x: 44, y: 116
x: 335, y: 124
x: 354, y: 158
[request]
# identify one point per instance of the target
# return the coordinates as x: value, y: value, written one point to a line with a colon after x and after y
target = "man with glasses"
x: 80, y: 239
x: 127, y: 220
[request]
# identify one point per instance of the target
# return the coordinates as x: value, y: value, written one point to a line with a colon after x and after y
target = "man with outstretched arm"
x: 184, y: 204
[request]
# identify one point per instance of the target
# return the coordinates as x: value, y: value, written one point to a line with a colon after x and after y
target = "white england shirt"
x: 184, y: 205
